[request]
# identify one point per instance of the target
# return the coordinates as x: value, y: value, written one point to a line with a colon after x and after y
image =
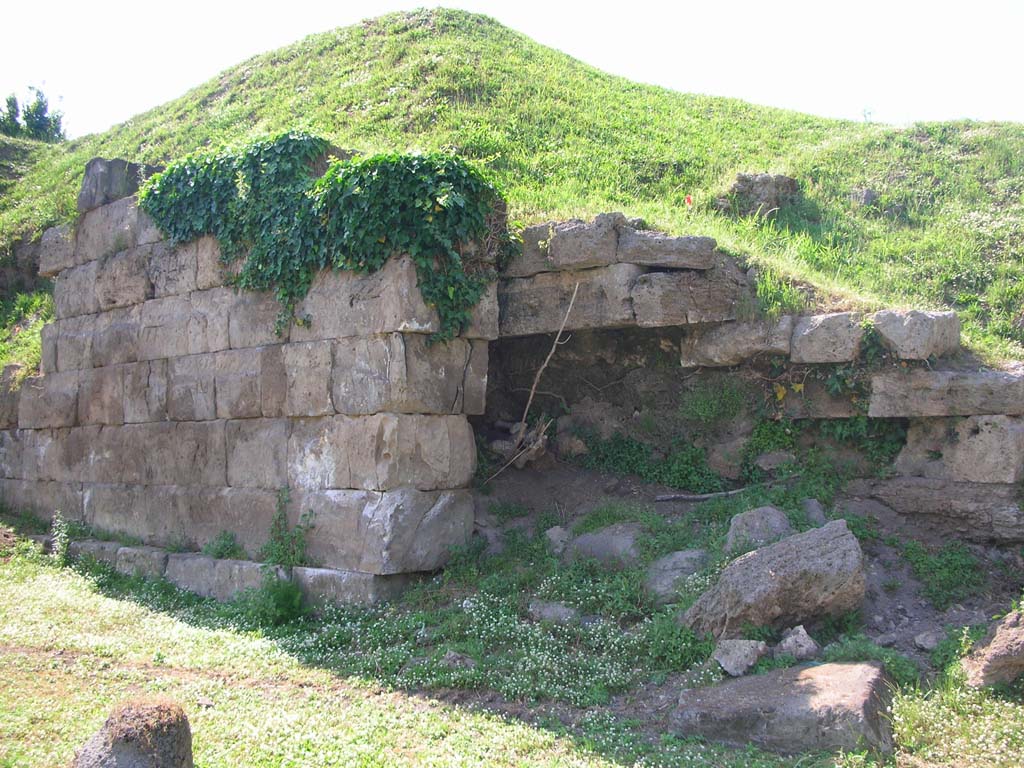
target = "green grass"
x: 563, y: 139
x: 22, y: 318
x: 947, y: 574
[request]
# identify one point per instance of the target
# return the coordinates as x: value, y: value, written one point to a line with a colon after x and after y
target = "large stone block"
x: 381, y: 452
x: 172, y: 271
x: 123, y: 278
x: 823, y: 707
x: 308, y: 373
x: 74, y: 291
x: 56, y: 251
x: 539, y: 304
x: 109, y: 229
x: 191, y: 388
x: 149, y: 562
x: 62, y: 455
x: 145, y: 391
x: 72, y: 339
x: 101, y: 551
x: 400, y: 531
x: 210, y: 272
x: 257, y: 453
x: 48, y: 347
x: 116, y: 336
x: 208, y: 320
x: 11, y: 444
x: 273, y: 381
x: 251, y: 320
x: 917, y: 335
x: 656, y: 249
x: 567, y: 245
x: 685, y: 298
x: 974, y: 449
x: 342, y: 303
x: 484, y: 318
x: 734, y: 343
x: 126, y: 510
x: 164, y: 328
x: 101, y: 396
x: 404, y: 373
x: 106, y: 181
x: 946, y: 393
x: 220, y: 579
x: 326, y: 586
x: 42, y: 499
x: 831, y: 338
x: 49, y: 401
x: 238, y: 383
x: 163, y: 453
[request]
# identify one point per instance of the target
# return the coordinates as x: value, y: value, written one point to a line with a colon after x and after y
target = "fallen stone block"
x: 999, y: 656
x: 737, y: 657
x: 56, y: 251
x: 539, y: 304
x: 149, y: 562
x: 141, y: 733
x: 805, y: 576
x: 831, y: 338
x: 690, y: 297
x: 552, y: 612
x: 801, y: 709
x: 798, y: 644
x: 326, y: 586
x: 730, y: 344
x: 974, y: 449
x: 917, y: 335
x: 926, y: 393
x: 106, y: 181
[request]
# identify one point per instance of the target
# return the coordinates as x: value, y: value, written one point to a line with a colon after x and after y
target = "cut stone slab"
x: 74, y: 291
x: 142, y: 733
x: 49, y: 401
x: 210, y: 577
x: 999, y: 657
x: 755, y: 528
x: 112, y: 228
x: 733, y: 343
x: 833, y: 338
x: 401, y: 531
x: 108, y: 180
x: 538, y: 304
x: 737, y: 657
x: 74, y: 339
x: 655, y: 249
x: 666, y: 574
x: 616, y: 546
x: 974, y: 449
x: 150, y: 562
x: 689, y: 297
x: 123, y: 278
x: 801, y: 709
x: 101, y: 551
x: 325, y: 586
x: 917, y: 335
x: 797, y: 643
x: 56, y: 251
x: 551, y: 612
x: 145, y: 392
x: 805, y: 576
x: 924, y: 393
x: 567, y: 245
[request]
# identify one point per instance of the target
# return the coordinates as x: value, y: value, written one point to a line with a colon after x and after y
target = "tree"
x: 35, y: 122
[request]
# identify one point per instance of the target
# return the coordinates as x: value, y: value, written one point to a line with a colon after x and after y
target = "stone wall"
x: 168, y: 409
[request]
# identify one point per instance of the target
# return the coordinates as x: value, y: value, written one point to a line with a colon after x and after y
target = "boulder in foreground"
x: 999, y: 658
x: 143, y: 733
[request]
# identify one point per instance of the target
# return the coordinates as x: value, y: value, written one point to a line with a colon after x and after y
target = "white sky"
x: 897, y: 61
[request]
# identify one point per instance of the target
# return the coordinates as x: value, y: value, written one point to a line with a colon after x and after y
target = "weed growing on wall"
x: 264, y: 205
x: 286, y: 546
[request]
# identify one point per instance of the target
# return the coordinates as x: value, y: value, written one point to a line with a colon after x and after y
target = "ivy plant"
x: 264, y: 204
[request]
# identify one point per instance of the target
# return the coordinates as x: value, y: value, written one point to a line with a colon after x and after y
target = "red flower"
x: 689, y: 199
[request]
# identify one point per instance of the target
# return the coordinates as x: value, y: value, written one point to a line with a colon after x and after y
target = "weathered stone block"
x: 210, y: 272
x: 308, y: 371
x: 484, y: 316
x: 42, y: 499
x: 101, y: 396
x: 49, y: 401
x: 191, y: 388
x: 404, y: 373
x: 257, y: 453
x: 538, y: 304
x: 48, y: 347
x: 122, y: 279
x: 74, y: 291
x: 824, y: 707
x: 684, y: 298
x: 251, y: 319
x: 125, y: 509
x: 72, y: 340
x: 917, y: 335
x: 183, y: 453
x: 209, y: 577
x: 381, y: 452
x: 172, y: 271
x: 273, y: 381
x: 145, y: 391
x: 655, y: 249
x: 341, y: 304
x: 56, y: 251
x: 107, y: 230
x: 11, y: 442
x: 108, y: 180
x: 325, y: 586
x: 975, y: 449
x: 734, y: 343
x: 238, y: 381
x: 399, y: 531
x: 831, y: 338
x: 148, y: 562
x: 124, y: 454
x: 116, y: 336
x: 101, y: 551
x: 946, y: 393
x: 62, y: 455
x: 567, y: 245
x: 164, y: 328
x: 208, y: 320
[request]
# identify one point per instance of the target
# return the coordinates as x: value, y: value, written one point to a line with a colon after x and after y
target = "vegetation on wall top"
x: 264, y: 204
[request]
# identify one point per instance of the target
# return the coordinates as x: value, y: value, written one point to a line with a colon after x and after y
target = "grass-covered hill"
x: 562, y: 138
